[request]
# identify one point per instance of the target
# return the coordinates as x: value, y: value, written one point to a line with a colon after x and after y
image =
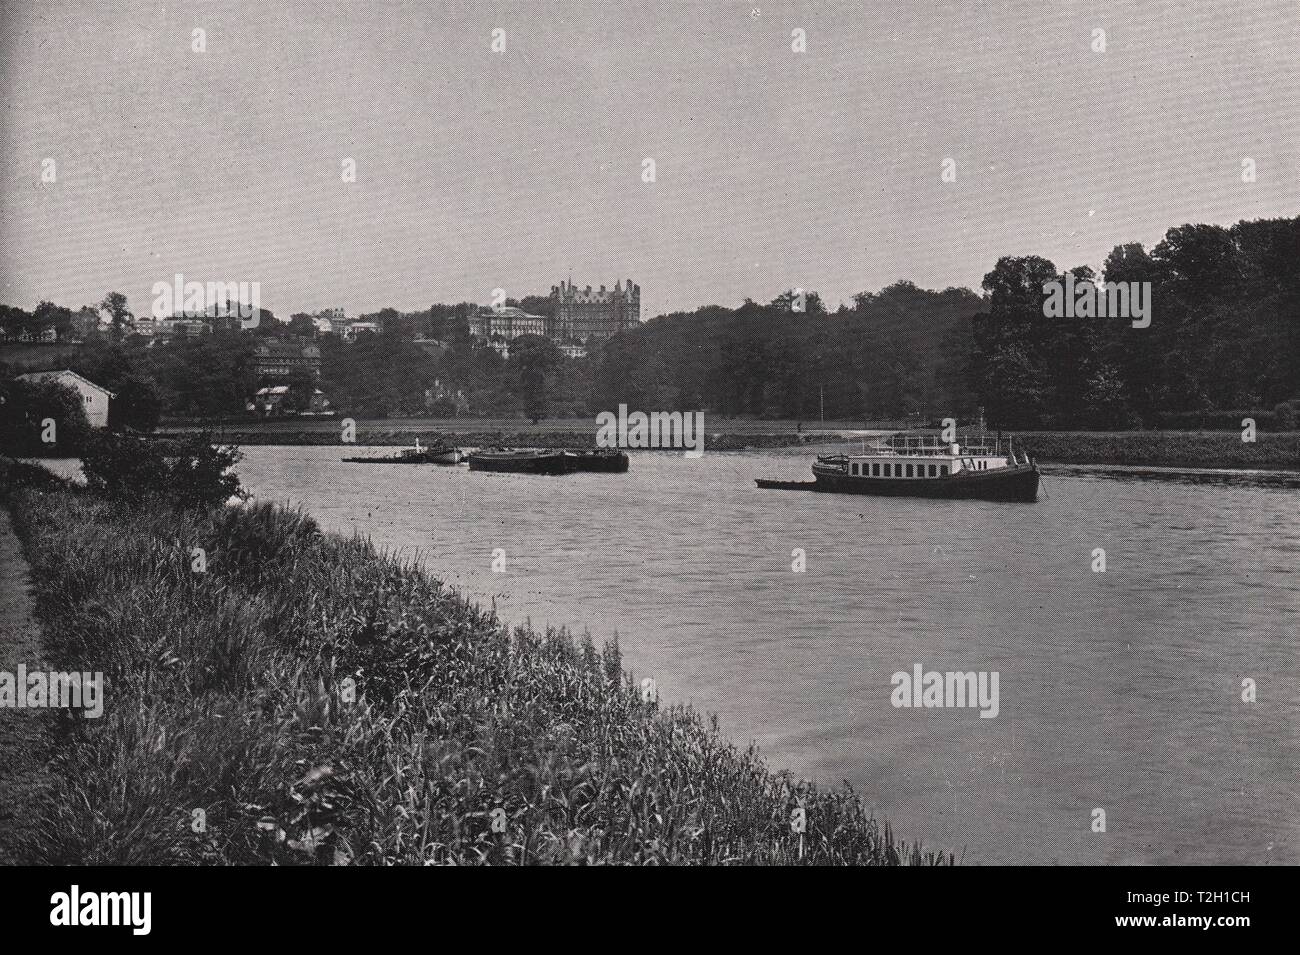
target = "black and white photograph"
x: 650, y: 433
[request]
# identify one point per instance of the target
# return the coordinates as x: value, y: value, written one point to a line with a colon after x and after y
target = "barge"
x: 439, y: 454
x: 549, y: 461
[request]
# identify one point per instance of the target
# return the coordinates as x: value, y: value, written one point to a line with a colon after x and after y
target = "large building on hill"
x: 508, y: 322
x: 275, y: 358
x: 584, y: 315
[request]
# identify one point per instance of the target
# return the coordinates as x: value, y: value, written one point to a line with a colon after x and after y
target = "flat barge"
x: 546, y: 461
x: 441, y: 454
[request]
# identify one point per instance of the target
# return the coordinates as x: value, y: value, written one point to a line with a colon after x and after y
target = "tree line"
x: 1224, y: 337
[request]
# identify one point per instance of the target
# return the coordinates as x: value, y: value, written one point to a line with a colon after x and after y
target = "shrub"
x: 17, y: 475
x: 189, y: 471
x: 26, y: 408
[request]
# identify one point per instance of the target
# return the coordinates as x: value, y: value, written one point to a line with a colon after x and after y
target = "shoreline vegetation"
x: 1179, y: 449
x: 306, y: 699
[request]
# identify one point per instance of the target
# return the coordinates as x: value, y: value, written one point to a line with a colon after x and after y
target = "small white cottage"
x: 94, y: 398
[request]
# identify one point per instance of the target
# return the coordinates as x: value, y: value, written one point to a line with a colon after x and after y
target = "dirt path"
x: 22, y: 731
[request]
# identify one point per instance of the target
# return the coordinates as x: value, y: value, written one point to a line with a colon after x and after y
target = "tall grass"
x: 231, y: 734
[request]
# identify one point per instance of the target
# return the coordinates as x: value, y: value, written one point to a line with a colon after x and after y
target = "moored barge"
x: 439, y: 454
x: 548, y: 461
x: 601, y: 460
x: 518, y: 461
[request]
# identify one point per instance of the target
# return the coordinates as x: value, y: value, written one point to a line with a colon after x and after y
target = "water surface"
x: 1118, y: 690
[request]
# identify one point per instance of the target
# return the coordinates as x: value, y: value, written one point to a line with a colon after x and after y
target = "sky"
x: 478, y: 170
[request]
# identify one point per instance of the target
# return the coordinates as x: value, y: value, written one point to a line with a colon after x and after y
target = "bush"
x: 189, y: 472
x: 17, y: 475
x: 28, y: 408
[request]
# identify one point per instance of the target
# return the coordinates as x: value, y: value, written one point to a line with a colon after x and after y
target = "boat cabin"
x: 912, y: 457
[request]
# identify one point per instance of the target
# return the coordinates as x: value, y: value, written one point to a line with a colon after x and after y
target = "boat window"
x: 857, y: 469
x: 875, y: 470
x: 931, y: 472
x: 909, y: 470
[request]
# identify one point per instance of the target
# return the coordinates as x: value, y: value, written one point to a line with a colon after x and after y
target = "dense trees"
x: 1224, y: 333
x: 1224, y: 336
x: 376, y: 376
x: 534, y: 363
x: 889, y: 355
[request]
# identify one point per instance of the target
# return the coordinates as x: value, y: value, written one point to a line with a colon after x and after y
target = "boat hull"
x: 445, y: 456
x: 545, y: 462
x: 1019, y: 483
x: 600, y: 462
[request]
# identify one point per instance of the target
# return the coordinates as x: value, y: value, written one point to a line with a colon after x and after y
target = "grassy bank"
x: 1196, y: 449
x: 1205, y: 449
x: 398, y: 437
x: 229, y: 701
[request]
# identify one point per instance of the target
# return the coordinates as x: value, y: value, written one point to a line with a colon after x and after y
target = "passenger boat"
x: 522, y: 461
x: 439, y: 454
x: 601, y: 460
x: 922, y: 466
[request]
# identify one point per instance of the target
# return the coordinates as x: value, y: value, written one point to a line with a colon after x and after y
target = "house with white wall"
x: 94, y: 398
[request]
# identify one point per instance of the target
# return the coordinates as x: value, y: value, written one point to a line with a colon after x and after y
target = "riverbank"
x: 1188, y: 449
x: 300, y: 698
x: 23, y: 741
x: 1172, y: 449
x: 467, y: 437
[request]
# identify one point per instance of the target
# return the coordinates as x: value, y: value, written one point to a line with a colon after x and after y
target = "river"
x: 1119, y: 691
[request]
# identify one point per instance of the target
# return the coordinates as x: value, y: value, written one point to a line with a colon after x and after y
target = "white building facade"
x: 94, y: 398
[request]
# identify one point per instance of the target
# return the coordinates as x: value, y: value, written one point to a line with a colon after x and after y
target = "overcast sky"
x: 477, y: 170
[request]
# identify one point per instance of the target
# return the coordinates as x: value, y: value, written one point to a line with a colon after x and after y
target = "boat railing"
x: 929, y: 445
